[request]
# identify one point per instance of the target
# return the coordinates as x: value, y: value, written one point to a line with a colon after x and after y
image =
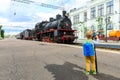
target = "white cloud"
x: 79, y: 3
x: 45, y: 16
x: 3, y: 20
x: 6, y: 22
x: 30, y: 14
x: 4, y: 5
x: 11, y: 33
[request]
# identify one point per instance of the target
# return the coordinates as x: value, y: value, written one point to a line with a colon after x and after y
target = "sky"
x: 16, y: 17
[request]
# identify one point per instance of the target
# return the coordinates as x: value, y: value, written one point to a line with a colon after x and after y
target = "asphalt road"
x: 33, y: 60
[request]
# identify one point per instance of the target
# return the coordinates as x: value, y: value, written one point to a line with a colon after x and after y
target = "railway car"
x: 113, y: 35
x: 26, y: 34
x: 17, y: 36
x: 55, y: 30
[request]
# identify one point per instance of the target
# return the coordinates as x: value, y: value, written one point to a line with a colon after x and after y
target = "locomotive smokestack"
x: 64, y: 13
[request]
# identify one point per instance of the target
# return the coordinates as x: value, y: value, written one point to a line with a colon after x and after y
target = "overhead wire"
x: 40, y: 4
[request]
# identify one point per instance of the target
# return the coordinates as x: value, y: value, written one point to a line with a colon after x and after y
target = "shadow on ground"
x: 66, y: 72
x: 69, y: 71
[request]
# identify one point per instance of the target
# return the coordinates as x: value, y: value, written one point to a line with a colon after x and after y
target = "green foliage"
x: 0, y: 25
x: 83, y: 25
x: 2, y: 33
x: 100, y: 23
x: 81, y: 22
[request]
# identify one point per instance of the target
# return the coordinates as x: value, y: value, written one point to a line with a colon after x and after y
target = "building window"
x: 110, y: 7
x: 93, y: 12
x: 92, y: 27
x: 101, y: 10
x: 76, y: 19
x: 85, y: 16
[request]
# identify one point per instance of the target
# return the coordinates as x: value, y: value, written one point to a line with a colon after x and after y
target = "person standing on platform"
x: 89, y: 52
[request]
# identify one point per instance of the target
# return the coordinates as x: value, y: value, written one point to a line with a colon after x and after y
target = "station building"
x: 101, y: 16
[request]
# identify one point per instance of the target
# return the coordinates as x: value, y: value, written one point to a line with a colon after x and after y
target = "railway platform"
x: 102, y: 44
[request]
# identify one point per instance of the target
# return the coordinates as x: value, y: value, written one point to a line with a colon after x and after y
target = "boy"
x: 89, y: 52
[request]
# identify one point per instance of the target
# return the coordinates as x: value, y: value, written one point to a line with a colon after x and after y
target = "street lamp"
x: 107, y: 21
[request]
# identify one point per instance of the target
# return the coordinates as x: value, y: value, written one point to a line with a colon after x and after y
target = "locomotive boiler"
x: 55, y: 30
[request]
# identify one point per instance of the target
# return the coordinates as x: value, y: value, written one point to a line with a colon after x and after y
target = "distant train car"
x: 55, y: 30
x: 26, y: 34
x: 18, y: 36
x: 113, y: 35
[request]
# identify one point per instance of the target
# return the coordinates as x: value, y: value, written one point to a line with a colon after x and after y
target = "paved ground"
x: 32, y: 60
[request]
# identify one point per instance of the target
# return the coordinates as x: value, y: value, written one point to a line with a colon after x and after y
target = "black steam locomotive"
x: 55, y: 30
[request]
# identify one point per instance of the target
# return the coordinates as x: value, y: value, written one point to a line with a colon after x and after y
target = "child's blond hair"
x: 89, y: 34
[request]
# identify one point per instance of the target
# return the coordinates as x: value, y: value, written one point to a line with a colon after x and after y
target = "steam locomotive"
x: 55, y: 30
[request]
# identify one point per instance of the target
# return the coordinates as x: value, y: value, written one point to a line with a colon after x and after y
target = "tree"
x: 84, y: 27
x: 2, y: 33
x: 100, y: 23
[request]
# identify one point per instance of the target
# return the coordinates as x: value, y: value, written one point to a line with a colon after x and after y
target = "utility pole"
x: 106, y: 28
x: 107, y: 21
